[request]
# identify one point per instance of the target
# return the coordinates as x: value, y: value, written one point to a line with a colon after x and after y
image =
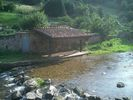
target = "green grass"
x: 8, y: 56
x: 8, y: 18
x: 109, y: 46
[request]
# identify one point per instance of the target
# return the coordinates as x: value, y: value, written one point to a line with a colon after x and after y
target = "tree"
x: 31, y: 2
x: 34, y: 20
x: 1, y: 4
x: 55, y: 8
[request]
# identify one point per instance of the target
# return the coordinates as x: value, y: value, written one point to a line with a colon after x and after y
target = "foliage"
x: 7, y: 32
x: 40, y: 82
x: 55, y: 8
x: 30, y: 2
x: 95, y: 23
x: 66, y: 20
x: 8, y: 7
x: 13, y: 56
x: 25, y: 9
x: 1, y: 4
x: 109, y: 46
x: 34, y: 20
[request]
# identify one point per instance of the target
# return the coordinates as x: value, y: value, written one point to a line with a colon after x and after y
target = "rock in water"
x: 120, y: 85
x: 31, y: 96
x: 94, y: 98
x: 78, y: 91
x: 126, y: 98
x: 17, y: 92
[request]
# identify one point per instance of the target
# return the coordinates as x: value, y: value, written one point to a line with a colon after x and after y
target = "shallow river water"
x: 98, y: 75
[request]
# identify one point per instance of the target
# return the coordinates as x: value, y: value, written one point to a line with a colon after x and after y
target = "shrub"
x: 9, y: 7
x: 66, y: 20
x: 7, y: 32
x: 34, y: 20
x: 25, y: 9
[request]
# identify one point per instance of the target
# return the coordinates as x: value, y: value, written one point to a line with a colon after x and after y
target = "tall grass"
x: 109, y: 46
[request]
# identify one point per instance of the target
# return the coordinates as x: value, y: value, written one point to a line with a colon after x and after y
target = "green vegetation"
x: 109, y: 46
x: 8, y: 18
x: 34, y: 20
x: 7, y: 32
x: 109, y: 18
x: 12, y: 56
x: 25, y: 9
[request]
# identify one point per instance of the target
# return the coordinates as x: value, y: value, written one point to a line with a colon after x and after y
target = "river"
x: 98, y: 75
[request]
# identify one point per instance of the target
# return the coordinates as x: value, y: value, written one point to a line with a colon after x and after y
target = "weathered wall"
x: 13, y: 42
x: 64, y: 44
x: 39, y: 43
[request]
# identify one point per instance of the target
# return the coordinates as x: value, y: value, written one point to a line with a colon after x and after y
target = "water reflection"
x: 96, y: 74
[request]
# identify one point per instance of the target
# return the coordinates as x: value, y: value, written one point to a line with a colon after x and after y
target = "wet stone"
x: 94, y: 98
x: 118, y: 99
x: 120, y: 85
x: 126, y: 98
x: 78, y: 91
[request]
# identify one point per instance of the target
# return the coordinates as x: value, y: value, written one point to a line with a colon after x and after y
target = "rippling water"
x: 96, y: 74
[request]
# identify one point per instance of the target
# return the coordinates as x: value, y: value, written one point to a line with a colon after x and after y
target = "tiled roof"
x: 61, y: 31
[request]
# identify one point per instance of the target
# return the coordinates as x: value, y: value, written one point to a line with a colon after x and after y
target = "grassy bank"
x: 9, y: 56
x: 8, y: 18
x: 109, y: 46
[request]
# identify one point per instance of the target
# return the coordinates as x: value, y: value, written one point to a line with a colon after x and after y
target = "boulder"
x: 126, y: 98
x: 94, y: 98
x: 32, y: 83
x: 31, y: 95
x: 78, y: 91
x: 17, y: 92
x: 38, y: 93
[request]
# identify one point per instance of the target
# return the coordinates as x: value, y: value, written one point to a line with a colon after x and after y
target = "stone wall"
x: 40, y: 43
x: 12, y: 42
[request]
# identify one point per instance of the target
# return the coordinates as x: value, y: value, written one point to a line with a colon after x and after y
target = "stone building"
x: 59, y: 38
x: 48, y: 40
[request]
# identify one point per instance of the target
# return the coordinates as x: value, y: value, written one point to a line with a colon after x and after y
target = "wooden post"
x: 80, y: 45
x: 49, y: 48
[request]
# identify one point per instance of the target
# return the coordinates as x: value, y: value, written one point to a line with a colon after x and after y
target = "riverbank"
x: 16, y: 85
x: 110, y: 46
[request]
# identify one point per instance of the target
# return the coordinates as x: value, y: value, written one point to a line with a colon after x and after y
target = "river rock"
x: 86, y: 95
x: 72, y: 96
x: 17, y: 92
x: 120, y: 85
x: 126, y: 98
x: 39, y: 93
x: 118, y: 99
x: 31, y: 95
x: 10, y: 85
x: 78, y: 91
x: 94, y: 98
x: 31, y: 84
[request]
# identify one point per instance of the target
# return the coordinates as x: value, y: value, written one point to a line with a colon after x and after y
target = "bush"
x: 34, y: 20
x: 7, y: 32
x: 25, y: 9
x: 104, y: 25
x: 8, y: 7
x: 55, y: 8
x: 66, y: 20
